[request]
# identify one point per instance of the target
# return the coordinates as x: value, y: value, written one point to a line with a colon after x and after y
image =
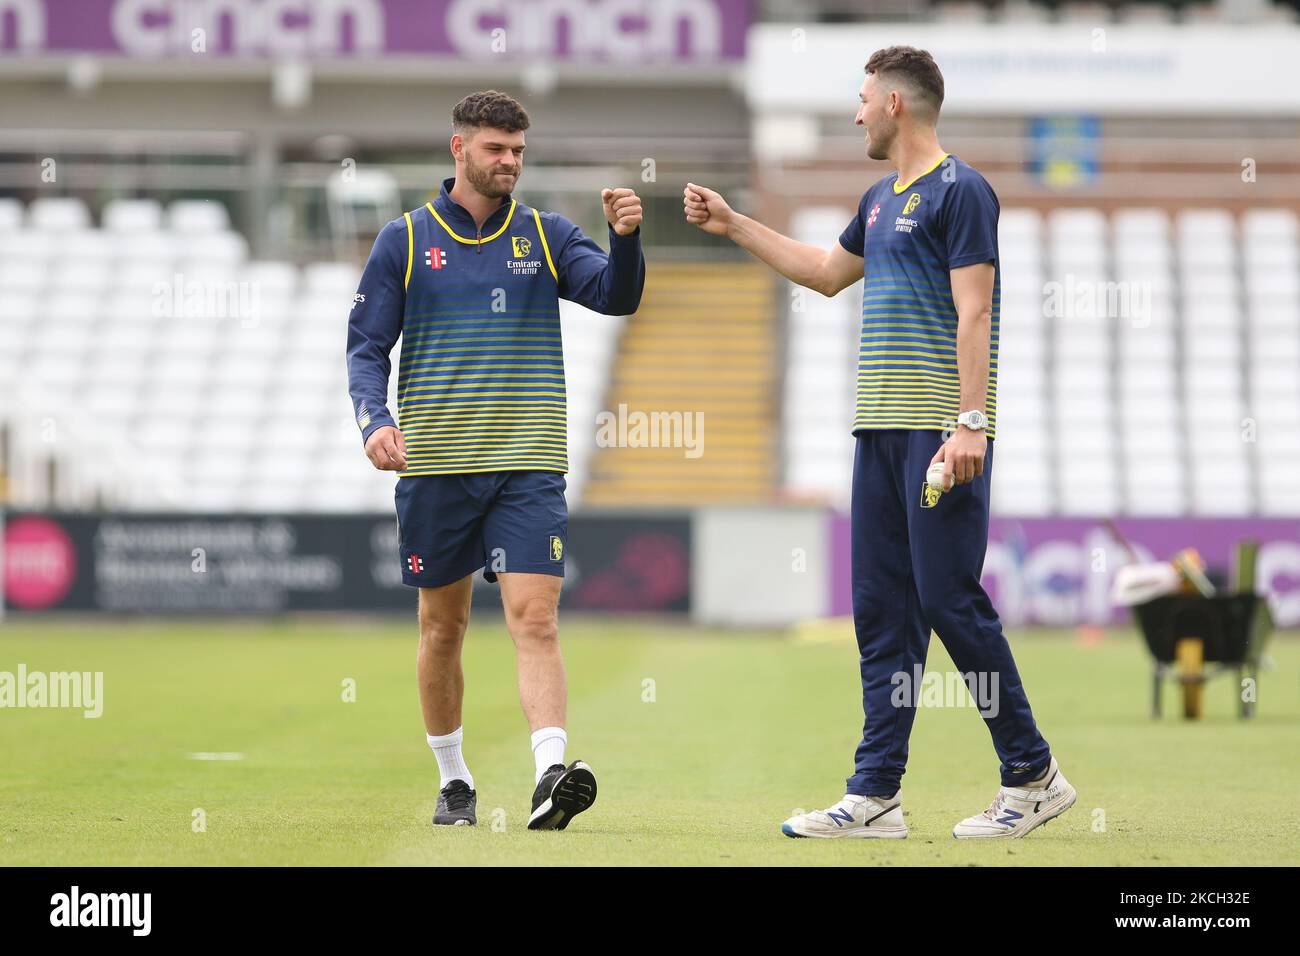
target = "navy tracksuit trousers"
x: 916, y: 567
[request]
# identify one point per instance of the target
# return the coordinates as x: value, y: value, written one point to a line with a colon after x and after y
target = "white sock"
x: 451, y: 762
x: 548, y: 749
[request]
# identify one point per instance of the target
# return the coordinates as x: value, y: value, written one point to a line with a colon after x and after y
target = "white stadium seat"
x: 58, y: 215
x: 133, y: 216
x: 11, y: 214
x: 197, y: 216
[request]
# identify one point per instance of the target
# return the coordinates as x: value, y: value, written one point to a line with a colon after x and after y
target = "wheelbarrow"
x: 1194, y: 638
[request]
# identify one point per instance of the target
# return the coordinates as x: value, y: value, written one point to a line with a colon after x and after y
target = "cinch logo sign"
x: 615, y: 31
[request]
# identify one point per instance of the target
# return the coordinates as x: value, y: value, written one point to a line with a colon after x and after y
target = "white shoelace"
x: 995, y: 807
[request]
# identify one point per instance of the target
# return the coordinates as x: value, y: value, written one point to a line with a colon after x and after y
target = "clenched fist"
x: 707, y: 209
x: 386, y: 449
x: 622, y: 209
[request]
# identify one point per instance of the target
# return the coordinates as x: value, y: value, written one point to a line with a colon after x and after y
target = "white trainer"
x: 854, y: 817
x: 1016, y: 810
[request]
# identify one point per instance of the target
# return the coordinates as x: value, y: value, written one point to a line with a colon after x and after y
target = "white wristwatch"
x: 976, y: 421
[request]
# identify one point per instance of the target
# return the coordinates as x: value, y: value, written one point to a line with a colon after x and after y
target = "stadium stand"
x: 1120, y: 335
x: 701, y: 347
x: 148, y: 364
x: 1149, y: 364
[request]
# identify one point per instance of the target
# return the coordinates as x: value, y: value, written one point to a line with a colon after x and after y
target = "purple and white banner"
x: 1058, y: 571
x: 615, y: 31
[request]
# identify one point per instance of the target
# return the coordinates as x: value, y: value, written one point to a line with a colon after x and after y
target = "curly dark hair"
x: 914, y: 67
x: 489, y: 108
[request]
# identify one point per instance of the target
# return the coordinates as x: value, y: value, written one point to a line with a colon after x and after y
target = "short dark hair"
x: 916, y: 67
x: 489, y: 108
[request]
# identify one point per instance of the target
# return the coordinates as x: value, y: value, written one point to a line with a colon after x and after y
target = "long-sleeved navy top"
x: 480, y: 382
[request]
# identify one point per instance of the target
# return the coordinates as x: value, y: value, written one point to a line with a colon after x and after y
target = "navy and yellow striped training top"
x: 480, y: 383
x: 910, y: 236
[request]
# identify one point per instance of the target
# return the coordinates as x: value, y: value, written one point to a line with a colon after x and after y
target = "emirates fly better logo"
x: 435, y: 258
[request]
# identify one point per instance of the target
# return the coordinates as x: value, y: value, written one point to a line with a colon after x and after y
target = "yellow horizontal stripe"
x: 882, y: 399
x: 549, y: 418
x: 912, y: 378
x: 550, y: 338
x: 539, y: 432
x: 417, y: 410
x: 549, y: 438
x: 887, y: 401
x: 503, y: 380
x: 479, y: 368
x: 478, y: 424
x: 500, y: 316
x: 462, y: 421
x: 525, y: 464
x: 914, y: 359
x: 913, y: 401
x: 868, y: 317
x: 901, y: 379
x: 876, y: 285
x: 924, y: 299
x: 516, y: 394
x: 483, y: 456
x: 914, y: 363
x: 918, y: 426
x: 911, y: 407
x: 930, y: 420
x: 530, y: 443
x: 524, y: 347
x: 420, y: 428
x: 912, y: 330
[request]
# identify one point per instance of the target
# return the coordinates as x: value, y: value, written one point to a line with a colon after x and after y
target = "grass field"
x: 743, y: 728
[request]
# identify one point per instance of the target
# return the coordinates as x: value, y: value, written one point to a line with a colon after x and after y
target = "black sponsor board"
x: 259, y: 564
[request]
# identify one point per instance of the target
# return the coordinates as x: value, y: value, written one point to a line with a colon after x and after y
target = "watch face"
x: 973, y: 419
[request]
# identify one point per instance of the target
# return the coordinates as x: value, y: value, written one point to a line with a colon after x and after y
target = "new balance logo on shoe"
x: 854, y: 817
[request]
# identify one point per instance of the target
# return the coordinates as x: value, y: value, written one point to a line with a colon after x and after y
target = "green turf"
x: 744, y: 728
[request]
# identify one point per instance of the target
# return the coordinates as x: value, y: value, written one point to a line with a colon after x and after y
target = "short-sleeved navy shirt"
x: 909, y: 237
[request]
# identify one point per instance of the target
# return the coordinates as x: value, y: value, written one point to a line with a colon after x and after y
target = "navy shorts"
x: 449, y: 526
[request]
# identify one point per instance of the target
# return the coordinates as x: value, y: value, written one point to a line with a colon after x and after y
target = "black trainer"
x: 561, y: 794
x: 456, y: 805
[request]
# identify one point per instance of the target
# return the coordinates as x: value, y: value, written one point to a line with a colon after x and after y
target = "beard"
x: 880, y: 140
x: 486, y: 182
